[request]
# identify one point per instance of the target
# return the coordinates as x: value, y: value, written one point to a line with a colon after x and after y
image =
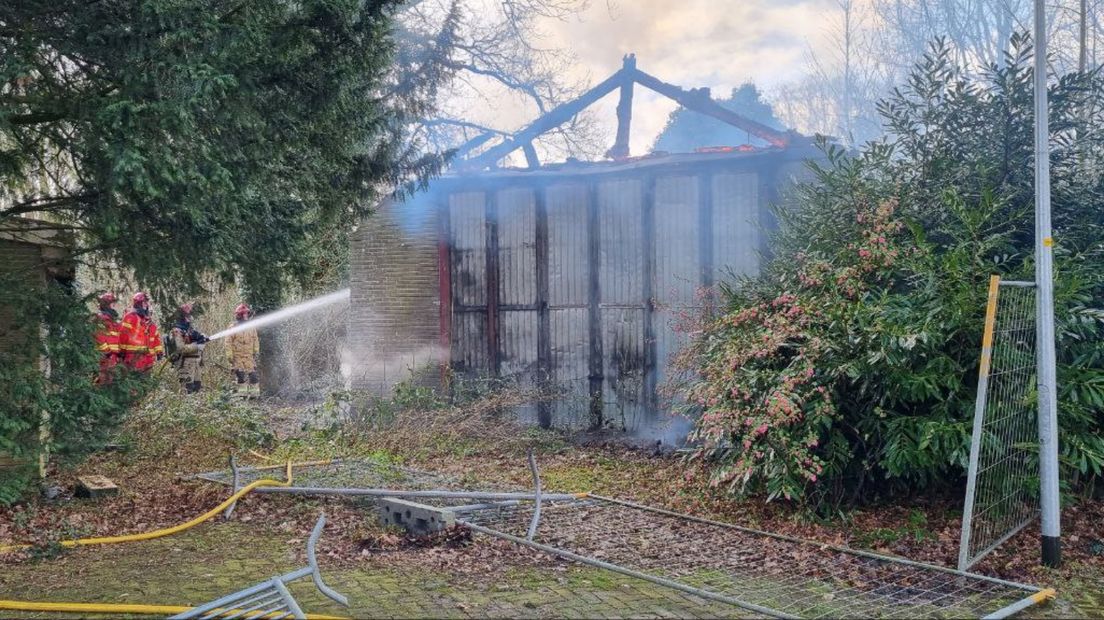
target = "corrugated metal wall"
x: 579, y: 284
x: 568, y: 299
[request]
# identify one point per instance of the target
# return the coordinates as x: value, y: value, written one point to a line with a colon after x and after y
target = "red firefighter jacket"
x: 139, y: 341
x: 107, y: 343
x: 107, y: 335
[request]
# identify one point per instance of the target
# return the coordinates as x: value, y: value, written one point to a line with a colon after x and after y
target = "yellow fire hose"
x: 126, y: 608
x: 108, y: 540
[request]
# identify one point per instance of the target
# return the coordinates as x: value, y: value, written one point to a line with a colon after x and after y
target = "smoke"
x: 371, y: 370
x: 670, y: 432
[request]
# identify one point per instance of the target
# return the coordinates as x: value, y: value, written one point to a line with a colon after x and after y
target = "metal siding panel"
x: 518, y: 356
x: 519, y: 346
x: 735, y: 225
x: 517, y: 225
x: 669, y: 340
x: 570, y: 356
x: 467, y: 219
x: 567, y: 245
x: 678, y: 262
x: 619, y: 211
x: 623, y: 389
x: 469, y: 342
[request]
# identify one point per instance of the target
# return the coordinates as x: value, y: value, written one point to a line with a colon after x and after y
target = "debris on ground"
x: 95, y: 486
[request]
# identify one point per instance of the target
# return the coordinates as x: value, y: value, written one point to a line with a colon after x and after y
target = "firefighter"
x: 186, y: 346
x: 107, y: 338
x: 242, y: 349
x: 139, y: 339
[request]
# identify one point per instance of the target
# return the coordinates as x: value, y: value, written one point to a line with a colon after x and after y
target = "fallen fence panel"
x: 775, y: 575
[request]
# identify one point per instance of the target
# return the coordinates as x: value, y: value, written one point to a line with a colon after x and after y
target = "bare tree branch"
x: 491, y: 56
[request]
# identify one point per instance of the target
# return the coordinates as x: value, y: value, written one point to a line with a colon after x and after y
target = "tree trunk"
x: 1082, y: 52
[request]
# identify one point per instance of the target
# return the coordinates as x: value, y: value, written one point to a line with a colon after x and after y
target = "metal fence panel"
x: 1003, y: 479
x: 769, y: 574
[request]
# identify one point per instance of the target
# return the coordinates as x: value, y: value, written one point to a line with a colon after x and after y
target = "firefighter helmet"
x: 141, y: 300
x: 107, y: 299
x: 242, y: 311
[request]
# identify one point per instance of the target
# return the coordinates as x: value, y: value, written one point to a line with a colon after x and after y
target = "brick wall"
x: 394, y: 311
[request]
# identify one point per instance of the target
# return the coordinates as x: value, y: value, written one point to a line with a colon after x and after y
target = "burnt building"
x: 568, y: 276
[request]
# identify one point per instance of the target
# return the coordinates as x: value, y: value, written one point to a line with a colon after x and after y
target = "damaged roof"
x: 698, y: 100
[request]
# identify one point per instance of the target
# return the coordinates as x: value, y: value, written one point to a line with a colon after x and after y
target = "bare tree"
x: 979, y: 30
x: 844, y: 80
x: 870, y: 46
x: 493, y: 55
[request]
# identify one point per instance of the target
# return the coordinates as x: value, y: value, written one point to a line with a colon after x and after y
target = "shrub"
x: 848, y: 367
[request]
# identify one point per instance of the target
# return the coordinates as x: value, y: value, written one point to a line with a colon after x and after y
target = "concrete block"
x: 94, y: 486
x: 418, y: 519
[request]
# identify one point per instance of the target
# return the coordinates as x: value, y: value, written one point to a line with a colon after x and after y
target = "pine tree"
x: 184, y: 137
x: 178, y: 139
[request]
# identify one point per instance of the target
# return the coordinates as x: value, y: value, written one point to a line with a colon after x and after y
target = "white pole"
x: 1044, y: 259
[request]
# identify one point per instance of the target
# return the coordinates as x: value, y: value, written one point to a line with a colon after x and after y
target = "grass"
x: 585, y: 476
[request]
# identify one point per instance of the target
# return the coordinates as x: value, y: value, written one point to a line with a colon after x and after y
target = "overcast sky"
x: 691, y: 43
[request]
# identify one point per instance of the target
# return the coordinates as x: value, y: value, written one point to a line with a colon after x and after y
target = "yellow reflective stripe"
x: 128, y: 325
x: 112, y: 333
x: 990, y: 325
